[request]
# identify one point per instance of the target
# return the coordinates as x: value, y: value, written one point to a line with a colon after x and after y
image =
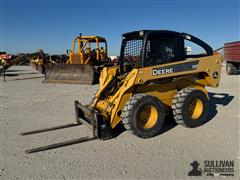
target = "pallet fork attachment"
x: 84, y: 115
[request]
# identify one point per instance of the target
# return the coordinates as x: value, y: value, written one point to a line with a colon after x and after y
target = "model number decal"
x: 187, y: 66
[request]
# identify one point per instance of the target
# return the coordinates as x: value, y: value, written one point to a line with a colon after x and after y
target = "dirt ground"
x: 28, y: 104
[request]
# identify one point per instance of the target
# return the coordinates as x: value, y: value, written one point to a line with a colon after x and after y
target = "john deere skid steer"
x: 156, y: 76
x: 87, y: 57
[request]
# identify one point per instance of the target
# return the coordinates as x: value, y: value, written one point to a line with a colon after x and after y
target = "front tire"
x: 143, y: 115
x: 190, y: 107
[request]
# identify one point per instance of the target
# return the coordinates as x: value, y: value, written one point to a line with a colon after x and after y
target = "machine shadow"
x: 215, y: 99
x: 18, y: 79
x: 168, y: 125
x: 14, y: 70
x: 119, y: 129
x: 19, y: 74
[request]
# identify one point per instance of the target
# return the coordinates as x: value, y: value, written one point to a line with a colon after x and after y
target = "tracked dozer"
x: 86, y: 59
x: 156, y: 77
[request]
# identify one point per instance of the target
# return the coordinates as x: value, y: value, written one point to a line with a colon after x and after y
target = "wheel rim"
x: 195, y: 108
x: 148, y: 116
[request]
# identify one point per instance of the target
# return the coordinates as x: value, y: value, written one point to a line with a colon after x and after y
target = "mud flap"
x: 71, y: 73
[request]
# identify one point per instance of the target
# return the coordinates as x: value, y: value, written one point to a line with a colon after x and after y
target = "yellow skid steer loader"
x: 155, y: 77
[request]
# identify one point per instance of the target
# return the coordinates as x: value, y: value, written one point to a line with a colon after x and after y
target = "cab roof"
x: 92, y: 38
x: 142, y: 33
x: 167, y: 33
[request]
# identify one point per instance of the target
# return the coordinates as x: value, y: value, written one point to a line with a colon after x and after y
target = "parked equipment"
x: 21, y: 58
x: 4, y: 57
x: 232, y: 57
x: 87, y: 57
x: 43, y: 63
x: 155, y: 77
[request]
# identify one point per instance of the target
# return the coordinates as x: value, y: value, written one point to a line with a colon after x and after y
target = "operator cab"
x: 154, y: 47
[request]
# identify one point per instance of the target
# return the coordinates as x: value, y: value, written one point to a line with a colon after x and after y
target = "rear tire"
x: 231, y: 69
x: 143, y: 115
x: 190, y: 107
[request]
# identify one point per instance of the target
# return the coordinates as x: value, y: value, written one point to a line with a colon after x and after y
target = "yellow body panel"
x: 208, y: 65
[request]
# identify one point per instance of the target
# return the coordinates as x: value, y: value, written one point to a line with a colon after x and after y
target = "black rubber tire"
x: 131, y: 111
x: 181, y: 102
x: 231, y: 69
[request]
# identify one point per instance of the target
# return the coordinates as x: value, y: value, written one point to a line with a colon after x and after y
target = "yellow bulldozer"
x: 156, y: 77
x: 86, y: 59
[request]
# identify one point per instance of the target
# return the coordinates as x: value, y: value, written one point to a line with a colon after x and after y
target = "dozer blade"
x: 71, y: 73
